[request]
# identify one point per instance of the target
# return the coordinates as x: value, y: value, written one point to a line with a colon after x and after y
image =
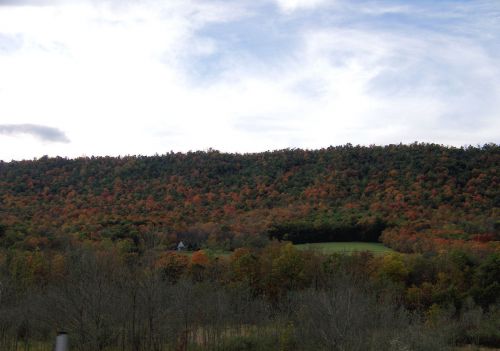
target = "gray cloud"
x: 44, y: 133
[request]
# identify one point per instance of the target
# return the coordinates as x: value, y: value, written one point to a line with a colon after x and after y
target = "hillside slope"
x: 420, y: 195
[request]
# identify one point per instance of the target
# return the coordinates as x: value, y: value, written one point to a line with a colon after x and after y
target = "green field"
x: 346, y: 247
x: 209, y: 252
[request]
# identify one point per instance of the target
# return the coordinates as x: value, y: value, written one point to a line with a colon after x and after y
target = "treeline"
x: 275, y: 298
x: 303, y: 231
x: 423, y: 193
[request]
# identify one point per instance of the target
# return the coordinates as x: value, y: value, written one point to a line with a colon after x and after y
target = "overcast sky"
x: 117, y: 77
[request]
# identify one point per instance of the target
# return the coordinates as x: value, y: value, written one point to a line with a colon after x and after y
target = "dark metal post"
x: 62, y: 342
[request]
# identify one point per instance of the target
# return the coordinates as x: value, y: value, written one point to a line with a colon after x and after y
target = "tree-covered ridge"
x: 425, y: 195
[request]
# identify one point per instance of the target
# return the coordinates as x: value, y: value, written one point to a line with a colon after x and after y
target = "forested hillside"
x: 86, y: 247
x: 420, y: 197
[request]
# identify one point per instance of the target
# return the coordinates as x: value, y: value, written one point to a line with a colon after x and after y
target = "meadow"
x: 346, y: 247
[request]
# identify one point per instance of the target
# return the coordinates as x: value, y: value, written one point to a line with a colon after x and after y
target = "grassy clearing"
x: 346, y: 247
x: 209, y: 252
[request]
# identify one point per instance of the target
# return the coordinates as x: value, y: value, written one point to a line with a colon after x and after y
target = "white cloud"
x: 288, y: 6
x: 103, y: 76
x: 117, y: 79
x: 413, y: 84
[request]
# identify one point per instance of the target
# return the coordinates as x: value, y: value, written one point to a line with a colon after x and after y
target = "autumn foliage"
x: 420, y: 197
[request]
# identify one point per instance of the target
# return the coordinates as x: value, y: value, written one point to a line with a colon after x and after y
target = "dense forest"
x: 87, y: 245
x: 419, y: 197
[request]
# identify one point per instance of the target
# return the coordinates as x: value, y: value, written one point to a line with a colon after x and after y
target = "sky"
x: 121, y: 77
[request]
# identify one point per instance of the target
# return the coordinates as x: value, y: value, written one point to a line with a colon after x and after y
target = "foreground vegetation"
x: 275, y: 298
